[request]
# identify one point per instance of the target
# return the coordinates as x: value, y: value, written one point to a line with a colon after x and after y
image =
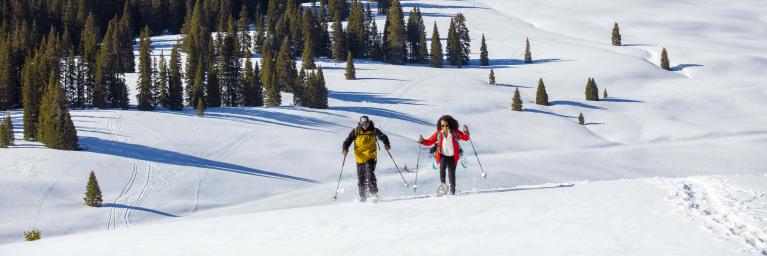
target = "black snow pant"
x: 366, y: 178
x: 447, y: 162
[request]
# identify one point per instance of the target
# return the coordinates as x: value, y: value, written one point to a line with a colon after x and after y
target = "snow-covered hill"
x: 672, y: 163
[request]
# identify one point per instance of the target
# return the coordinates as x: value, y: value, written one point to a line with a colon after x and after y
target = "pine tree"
x: 69, y: 79
x: 162, y: 80
x: 272, y: 97
x: 453, y: 46
x: 200, y: 108
x: 592, y: 91
x: 7, y: 74
x: 351, y: 73
x: 299, y: 89
x: 195, y: 45
x: 6, y: 132
x: 422, y: 51
x: 436, y: 48
x: 249, y: 84
x: 492, y: 77
x: 213, y: 88
x: 483, y: 58
x: 89, y: 40
x: 664, y: 63
x: 339, y: 39
x: 93, y: 192
x: 528, y: 55
x: 516, y: 101
x: 198, y: 89
x: 395, y: 37
x: 355, y: 30
x: 175, y: 84
x: 464, y: 40
x: 307, y: 56
x: 616, y: 35
x: 581, y: 120
x: 541, y: 97
x: 145, y: 101
x: 55, y: 127
x: 285, y: 68
x: 604, y: 95
x: 322, y: 90
x: 33, y: 85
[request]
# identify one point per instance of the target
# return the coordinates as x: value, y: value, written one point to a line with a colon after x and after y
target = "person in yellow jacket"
x: 365, y: 137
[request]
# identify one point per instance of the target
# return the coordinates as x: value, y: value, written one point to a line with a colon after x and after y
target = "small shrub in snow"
x: 32, y: 235
x: 581, y: 121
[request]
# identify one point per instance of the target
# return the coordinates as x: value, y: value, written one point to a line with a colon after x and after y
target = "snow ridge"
x: 726, y: 209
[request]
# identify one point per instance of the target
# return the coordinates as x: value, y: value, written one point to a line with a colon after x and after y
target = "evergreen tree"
x: 69, y: 79
x: 516, y: 101
x: 162, y: 80
x: 395, y: 37
x: 7, y: 74
x: 213, y: 88
x: 299, y: 89
x: 604, y: 95
x: 200, y: 108
x: 464, y: 41
x: 339, y: 39
x: 436, y: 48
x: 195, y: 45
x: 664, y: 63
x: 55, y: 127
x: 616, y: 35
x: 581, y: 120
x: 422, y: 56
x: 6, y: 132
x: 198, y: 89
x: 243, y: 25
x: 592, y: 91
x: 483, y: 58
x: 285, y: 68
x: 383, y: 6
x: 453, y: 46
x: 145, y: 101
x: 307, y: 56
x: 32, y: 92
x: 492, y: 77
x: 249, y: 84
x: 351, y: 73
x: 322, y: 90
x: 93, y: 192
x: 412, y: 33
x: 375, y: 49
x: 355, y: 30
x: 110, y: 90
x: 272, y: 97
x: 541, y: 97
x: 175, y: 84
x: 89, y: 40
x: 528, y: 55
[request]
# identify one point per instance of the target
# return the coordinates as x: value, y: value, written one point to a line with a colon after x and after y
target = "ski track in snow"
x: 730, y: 211
x: 39, y: 203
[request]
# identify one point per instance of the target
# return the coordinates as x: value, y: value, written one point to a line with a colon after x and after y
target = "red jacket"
x: 456, y: 149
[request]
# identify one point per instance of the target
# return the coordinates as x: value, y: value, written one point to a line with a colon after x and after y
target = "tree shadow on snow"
x: 259, y: 115
x: 546, y: 112
x: 370, y: 97
x: 141, y: 152
x: 513, y: 86
x: 574, y: 104
x: 422, y: 6
x: 610, y: 99
x: 371, y: 111
x: 683, y: 66
x: 136, y: 208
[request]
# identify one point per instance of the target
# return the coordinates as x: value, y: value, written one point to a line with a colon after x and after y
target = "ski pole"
x: 395, y: 164
x: 484, y: 175
x: 417, y: 163
x: 339, y: 179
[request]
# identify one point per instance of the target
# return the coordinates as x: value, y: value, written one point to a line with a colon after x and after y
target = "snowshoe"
x: 442, y: 190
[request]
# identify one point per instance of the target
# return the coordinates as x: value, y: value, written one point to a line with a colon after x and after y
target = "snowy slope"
x: 707, y: 117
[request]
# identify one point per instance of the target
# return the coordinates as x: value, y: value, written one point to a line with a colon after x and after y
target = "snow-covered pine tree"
x: 664, y: 63
x: 528, y: 54
x: 492, y: 77
x: 616, y: 38
x: 351, y: 73
x: 484, y: 60
x: 541, y: 97
x: 516, y: 101
x: 93, y: 192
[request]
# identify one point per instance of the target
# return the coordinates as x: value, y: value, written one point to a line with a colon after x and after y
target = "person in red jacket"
x: 448, y: 151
